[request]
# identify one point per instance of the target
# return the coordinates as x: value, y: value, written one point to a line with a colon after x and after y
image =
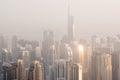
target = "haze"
x: 30, y: 17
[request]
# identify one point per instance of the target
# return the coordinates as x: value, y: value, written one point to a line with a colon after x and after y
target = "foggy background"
x: 29, y: 18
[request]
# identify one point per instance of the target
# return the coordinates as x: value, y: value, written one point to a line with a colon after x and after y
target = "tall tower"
x: 76, y: 72
x: 71, y: 27
x: 101, y: 67
x: 35, y: 72
x: 61, y: 70
x: 6, y: 71
x: 14, y: 71
x: 21, y: 70
x: 48, y: 52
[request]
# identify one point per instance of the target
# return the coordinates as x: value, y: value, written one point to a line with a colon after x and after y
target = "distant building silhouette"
x: 71, y: 27
x: 48, y: 52
x: 3, y: 42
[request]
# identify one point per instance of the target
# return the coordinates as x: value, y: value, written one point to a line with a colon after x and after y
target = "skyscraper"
x: 21, y: 70
x: 7, y: 71
x: 65, y: 52
x: 3, y: 42
x: 116, y: 65
x: 14, y: 71
x: 15, y: 48
x: 61, y: 70
x: 48, y: 52
x: 76, y: 72
x: 1, y: 70
x: 71, y: 27
x: 26, y: 58
x: 35, y: 71
x: 78, y: 53
x: 5, y: 55
x: 14, y: 41
x: 101, y: 67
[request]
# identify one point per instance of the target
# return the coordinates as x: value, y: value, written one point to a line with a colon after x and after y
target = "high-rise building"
x: 101, y: 59
x: 5, y: 55
x: 1, y: 70
x: 116, y: 58
x: 48, y: 52
x: 61, y: 70
x: 48, y: 41
x: 26, y: 58
x: 76, y: 72
x: 14, y: 71
x: 86, y: 58
x: 78, y: 53
x: 71, y: 27
x: 26, y: 73
x: 101, y: 67
x: 35, y: 71
x: 15, y: 48
x: 7, y: 71
x: 21, y: 70
x: 65, y: 52
x: 33, y: 55
x: 116, y: 65
x: 14, y: 41
x: 3, y: 42
x: 51, y: 57
x: 101, y: 41
x: 38, y: 53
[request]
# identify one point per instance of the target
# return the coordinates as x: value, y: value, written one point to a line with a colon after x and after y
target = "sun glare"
x: 81, y: 48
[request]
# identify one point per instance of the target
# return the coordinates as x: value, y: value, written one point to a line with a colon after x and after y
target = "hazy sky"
x: 30, y: 17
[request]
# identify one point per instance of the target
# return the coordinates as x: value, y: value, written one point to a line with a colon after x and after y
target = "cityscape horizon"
x: 60, y: 40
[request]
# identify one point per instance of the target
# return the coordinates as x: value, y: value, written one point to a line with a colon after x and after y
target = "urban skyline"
x: 61, y: 52
x: 90, y: 17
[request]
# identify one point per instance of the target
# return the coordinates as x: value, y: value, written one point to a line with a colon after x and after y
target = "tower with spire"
x: 71, y: 27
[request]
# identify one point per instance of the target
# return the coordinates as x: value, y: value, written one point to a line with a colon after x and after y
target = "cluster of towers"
x: 58, y: 59
x: 105, y: 58
x: 19, y: 62
x: 67, y: 59
x: 27, y: 60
